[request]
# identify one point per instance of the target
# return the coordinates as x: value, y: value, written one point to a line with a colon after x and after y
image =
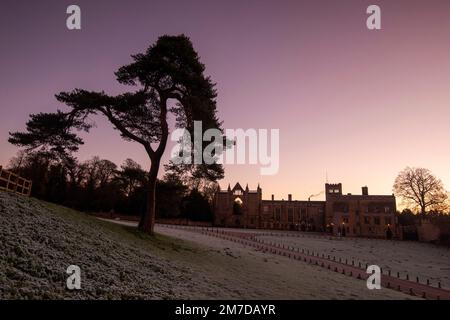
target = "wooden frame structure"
x: 12, y: 182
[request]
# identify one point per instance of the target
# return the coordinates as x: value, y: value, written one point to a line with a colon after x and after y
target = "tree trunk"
x: 147, y: 221
x: 422, y: 204
x: 423, y: 210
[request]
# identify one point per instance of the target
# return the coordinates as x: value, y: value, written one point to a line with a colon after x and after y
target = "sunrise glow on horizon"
x: 352, y: 105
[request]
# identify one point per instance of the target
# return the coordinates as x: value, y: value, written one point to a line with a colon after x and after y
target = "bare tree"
x: 420, y: 189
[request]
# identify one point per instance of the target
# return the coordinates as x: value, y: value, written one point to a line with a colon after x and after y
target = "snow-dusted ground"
x: 38, y: 241
x: 423, y: 260
x: 415, y: 259
x: 255, y: 274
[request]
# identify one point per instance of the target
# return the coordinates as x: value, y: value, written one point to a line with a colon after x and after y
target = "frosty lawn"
x: 39, y: 240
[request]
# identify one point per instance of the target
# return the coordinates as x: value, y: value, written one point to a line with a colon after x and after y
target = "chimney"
x: 289, y: 197
x: 273, y: 197
x: 365, y: 191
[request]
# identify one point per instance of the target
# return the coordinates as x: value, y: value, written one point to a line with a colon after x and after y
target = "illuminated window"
x: 237, y: 206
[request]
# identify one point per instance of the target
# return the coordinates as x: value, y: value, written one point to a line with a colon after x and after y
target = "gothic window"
x: 237, y: 206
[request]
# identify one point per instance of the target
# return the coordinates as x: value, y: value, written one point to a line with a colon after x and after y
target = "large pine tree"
x: 169, y: 70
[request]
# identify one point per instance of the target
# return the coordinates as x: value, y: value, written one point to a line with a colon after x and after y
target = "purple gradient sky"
x: 358, y: 104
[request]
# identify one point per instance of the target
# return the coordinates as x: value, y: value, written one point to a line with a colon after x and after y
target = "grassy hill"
x: 39, y: 240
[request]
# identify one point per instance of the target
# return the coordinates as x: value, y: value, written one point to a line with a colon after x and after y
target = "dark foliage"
x: 196, y: 207
x: 97, y: 185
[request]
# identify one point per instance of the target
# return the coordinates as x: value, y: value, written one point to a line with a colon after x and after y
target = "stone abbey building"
x: 352, y: 215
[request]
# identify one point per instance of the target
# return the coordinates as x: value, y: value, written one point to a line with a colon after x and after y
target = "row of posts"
x: 312, y: 253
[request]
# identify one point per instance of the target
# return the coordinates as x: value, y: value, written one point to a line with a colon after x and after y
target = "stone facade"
x: 238, y: 207
x: 353, y: 215
x: 359, y: 215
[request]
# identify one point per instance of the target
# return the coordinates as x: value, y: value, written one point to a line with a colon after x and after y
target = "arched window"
x: 237, y: 206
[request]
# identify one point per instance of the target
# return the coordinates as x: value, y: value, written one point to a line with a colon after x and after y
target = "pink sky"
x: 358, y: 104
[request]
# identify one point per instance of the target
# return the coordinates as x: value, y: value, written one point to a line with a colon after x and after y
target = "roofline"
x: 291, y: 201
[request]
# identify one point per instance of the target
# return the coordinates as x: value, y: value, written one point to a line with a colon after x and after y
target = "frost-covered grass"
x: 39, y: 240
x: 415, y: 259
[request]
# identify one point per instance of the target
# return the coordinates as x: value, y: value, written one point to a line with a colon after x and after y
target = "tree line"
x: 99, y: 185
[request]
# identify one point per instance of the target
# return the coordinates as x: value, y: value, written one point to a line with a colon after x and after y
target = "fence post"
x: 8, y: 180
x: 16, y: 184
